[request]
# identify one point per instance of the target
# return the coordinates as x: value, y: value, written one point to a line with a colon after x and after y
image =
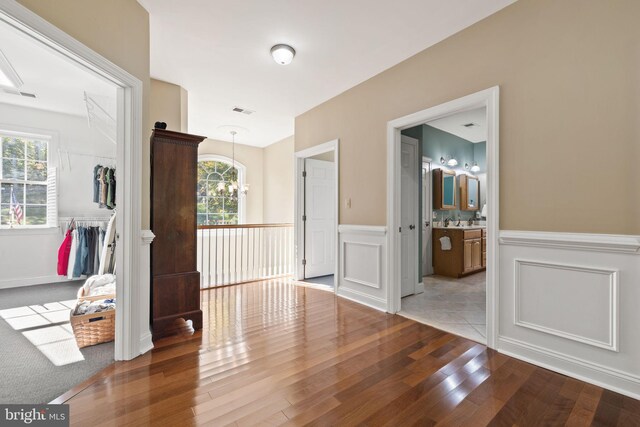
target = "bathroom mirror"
x: 444, y: 189
x: 469, y: 193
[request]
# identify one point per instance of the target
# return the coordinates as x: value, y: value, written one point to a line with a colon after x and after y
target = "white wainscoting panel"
x: 571, y: 303
x: 362, y: 267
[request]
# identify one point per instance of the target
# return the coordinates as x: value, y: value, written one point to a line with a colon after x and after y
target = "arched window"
x: 216, y: 205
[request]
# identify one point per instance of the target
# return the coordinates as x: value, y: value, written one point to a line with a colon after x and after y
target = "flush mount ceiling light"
x: 9, y: 79
x: 283, y: 54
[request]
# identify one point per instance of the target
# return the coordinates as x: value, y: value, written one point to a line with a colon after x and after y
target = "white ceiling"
x: 219, y: 52
x: 58, y: 84
x: 454, y: 125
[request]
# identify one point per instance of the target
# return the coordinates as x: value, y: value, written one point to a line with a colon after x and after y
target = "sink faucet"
x: 470, y: 221
x: 458, y: 224
x: 447, y: 220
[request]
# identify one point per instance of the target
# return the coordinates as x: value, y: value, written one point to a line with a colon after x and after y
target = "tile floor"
x: 453, y: 305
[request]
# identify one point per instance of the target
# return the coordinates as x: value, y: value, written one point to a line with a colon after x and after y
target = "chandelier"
x: 233, y: 189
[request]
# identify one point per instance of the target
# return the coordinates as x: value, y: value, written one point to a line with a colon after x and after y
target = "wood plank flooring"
x: 273, y: 353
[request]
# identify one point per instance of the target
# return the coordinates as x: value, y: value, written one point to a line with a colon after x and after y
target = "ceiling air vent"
x: 470, y: 125
x: 243, y: 110
x: 28, y: 95
x: 17, y: 92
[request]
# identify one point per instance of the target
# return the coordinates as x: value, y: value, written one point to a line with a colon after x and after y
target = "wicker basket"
x: 95, y: 328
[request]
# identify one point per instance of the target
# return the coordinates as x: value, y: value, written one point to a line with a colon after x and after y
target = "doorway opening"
x: 316, y: 216
x: 66, y: 112
x: 443, y: 199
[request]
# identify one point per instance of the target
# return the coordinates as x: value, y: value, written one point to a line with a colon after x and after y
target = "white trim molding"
x: 573, y: 241
x: 569, y: 302
x: 362, y: 270
x: 146, y: 343
x: 488, y: 98
x: 611, y: 304
x: 129, y: 160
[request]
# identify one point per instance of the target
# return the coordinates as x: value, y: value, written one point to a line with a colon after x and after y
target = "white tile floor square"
x: 453, y: 305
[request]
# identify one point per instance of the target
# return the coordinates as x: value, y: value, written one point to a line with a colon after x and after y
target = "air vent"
x: 243, y: 110
x: 28, y: 95
x: 470, y: 125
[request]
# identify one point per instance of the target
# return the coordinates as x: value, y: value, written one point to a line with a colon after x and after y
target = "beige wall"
x: 569, y: 75
x: 278, y: 181
x: 168, y: 103
x: 117, y: 30
x: 252, y: 158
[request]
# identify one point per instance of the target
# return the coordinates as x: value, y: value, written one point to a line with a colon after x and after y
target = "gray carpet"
x: 321, y: 280
x: 35, y: 339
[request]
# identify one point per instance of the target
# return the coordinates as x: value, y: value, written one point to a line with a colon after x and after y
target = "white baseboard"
x: 146, y: 344
x: 32, y: 281
x: 364, y: 299
x: 612, y: 379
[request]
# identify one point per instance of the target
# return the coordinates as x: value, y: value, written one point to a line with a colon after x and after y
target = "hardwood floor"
x: 272, y: 353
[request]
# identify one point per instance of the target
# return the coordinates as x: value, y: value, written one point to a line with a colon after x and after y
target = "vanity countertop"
x: 461, y: 227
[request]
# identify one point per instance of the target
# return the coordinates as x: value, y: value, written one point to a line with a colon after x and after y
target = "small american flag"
x: 15, y: 209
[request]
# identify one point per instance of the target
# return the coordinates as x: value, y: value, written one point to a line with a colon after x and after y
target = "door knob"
x: 411, y: 227
x: 426, y: 223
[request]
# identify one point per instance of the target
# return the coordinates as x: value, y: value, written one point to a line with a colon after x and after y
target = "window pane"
x: 36, y: 171
x: 12, y: 148
x: 202, y: 219
x: 5, y: 215
x: 6, y: 193
x: 12, y: 169
x: 35, y: 215
x: 36, y: 194
x: 202, y: 205
x: 37, y: 150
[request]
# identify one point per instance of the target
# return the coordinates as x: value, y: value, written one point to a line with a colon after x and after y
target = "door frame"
x: 488, y: 98
x: 416, y: 195
x: 132, y: 333
x: 429, y: 195
x: 298, y: 205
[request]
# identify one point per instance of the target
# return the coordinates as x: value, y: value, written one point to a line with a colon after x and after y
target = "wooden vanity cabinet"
x: 466, y: 255
x: 484, y: 247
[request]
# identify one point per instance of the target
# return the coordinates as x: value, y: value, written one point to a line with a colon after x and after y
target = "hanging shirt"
x: 96, y: 183
x: 111, y: 188
x: 72, y: 254
x: 103, y: 187
x: 63, y: 253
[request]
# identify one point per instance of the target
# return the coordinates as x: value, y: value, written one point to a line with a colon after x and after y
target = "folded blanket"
x: 94, y: 284
x: 90, y: 307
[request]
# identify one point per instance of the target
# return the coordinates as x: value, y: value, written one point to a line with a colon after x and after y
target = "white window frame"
x: 242, y: 174
x: 51, y: 137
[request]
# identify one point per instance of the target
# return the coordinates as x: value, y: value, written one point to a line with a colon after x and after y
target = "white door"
x: 320, y: 220
x: 409, y: 215
x: 427, y: 213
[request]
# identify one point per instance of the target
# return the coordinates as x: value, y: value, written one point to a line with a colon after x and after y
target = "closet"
x: 175, y: 281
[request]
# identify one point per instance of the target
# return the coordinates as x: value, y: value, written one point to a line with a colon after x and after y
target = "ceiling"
x: 59, y: 84
x: 219, y: 52
x: 455, y: 125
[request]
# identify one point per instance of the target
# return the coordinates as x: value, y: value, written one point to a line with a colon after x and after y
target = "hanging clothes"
x: 107, y: 258
x: 63, y: 253
x: 72, y: 253
x: 97, y: 171
x: 103, y: 187
x: 81, y: 253
x: 111, y: 188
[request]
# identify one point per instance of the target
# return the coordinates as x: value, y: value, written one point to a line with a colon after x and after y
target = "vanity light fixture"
x: 283, y: 54
x: 474, y: 167
x: 449, y: 161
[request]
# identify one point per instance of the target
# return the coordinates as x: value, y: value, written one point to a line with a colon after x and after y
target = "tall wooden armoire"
x: 175, y: 281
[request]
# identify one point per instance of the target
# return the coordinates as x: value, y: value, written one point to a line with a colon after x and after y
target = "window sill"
x: 30, y: 231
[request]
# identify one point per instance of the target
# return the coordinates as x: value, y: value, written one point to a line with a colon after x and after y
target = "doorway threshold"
x: 463, y: 330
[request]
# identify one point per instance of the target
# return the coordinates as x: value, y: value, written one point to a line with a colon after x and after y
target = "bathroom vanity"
x: 468, y: 253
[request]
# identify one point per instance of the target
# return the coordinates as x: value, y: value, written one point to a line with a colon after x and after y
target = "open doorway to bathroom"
x: 449, y: 174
